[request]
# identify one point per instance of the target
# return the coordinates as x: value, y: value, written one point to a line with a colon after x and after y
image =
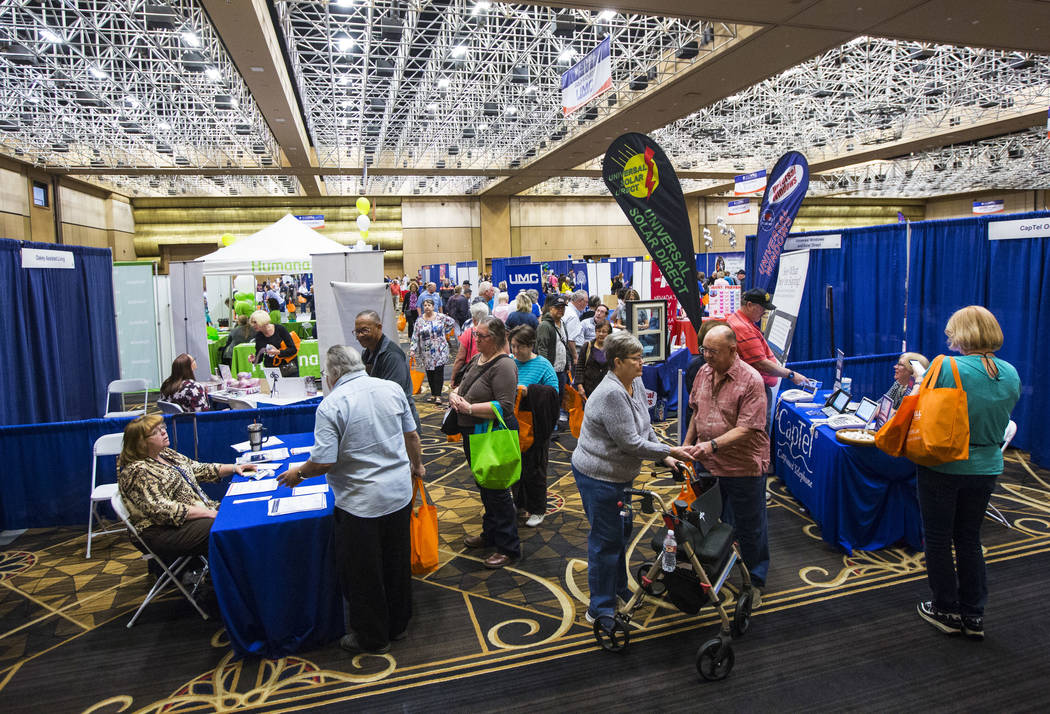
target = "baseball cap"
x: 761, y: 297
x: 558, y: 301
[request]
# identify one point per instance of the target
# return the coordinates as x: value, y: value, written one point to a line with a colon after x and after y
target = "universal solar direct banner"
x: 642, y: 180
x: 788, y: 183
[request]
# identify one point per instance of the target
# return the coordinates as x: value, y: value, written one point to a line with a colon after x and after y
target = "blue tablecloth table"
x: 275, y: 576
x: 859, y: 496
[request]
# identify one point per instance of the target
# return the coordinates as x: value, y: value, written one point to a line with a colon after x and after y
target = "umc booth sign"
x: 523, y: 277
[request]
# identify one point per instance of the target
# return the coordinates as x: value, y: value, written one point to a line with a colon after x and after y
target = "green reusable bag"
x: 495, y: 456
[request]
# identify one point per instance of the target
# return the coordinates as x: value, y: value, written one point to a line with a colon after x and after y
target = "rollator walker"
x: 704, y: 544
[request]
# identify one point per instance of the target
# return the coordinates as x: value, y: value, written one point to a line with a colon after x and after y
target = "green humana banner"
x: 641, y: 179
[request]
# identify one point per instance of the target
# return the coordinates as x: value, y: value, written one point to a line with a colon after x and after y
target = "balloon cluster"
x: 363, y: 221
x: 708, y: 243
x: 726, y: 230
x: 244, y: 295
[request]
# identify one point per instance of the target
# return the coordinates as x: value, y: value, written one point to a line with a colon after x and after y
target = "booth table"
x: 309, y: 366
x: 303, y: 328
x: 859, y: 496
x: 684, y: 333
x: 275, y: 576
x: 215, y: 348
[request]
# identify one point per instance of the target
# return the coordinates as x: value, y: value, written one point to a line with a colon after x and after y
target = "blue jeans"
x: 744, y: 508
x: 953, y: 509
x: 607, y: 541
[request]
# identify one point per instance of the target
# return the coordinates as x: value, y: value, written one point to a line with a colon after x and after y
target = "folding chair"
x: 106, y: 445
x: 122, y: 387
x: 176, y: 411
x: 169, y: 573
x: 993, y: 512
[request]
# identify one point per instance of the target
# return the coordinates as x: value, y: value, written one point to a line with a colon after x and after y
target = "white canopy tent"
x: 283, y: 248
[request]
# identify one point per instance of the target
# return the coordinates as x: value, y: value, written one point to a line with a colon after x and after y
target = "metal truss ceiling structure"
x: 430, y: 88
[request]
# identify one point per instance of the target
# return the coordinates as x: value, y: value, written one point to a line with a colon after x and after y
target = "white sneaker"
x: 534, y: 520
x: 588, y: 617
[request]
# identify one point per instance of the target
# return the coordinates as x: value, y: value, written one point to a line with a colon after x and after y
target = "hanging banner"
x: 579, y: 276
x: 587, y: 79
x: 749, y: 183
x: 982, y: 207
x: 789, y: 181
x: 740, y: 207
x: 641, y: 179
x: 524, y: 277
x: 316, y: 221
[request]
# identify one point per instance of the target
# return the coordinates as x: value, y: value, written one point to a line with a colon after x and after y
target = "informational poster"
x: 724, y: 300
x: 749, y: 183
x: 136, y: 315
x: 791, y: 282
x: 740, y: 207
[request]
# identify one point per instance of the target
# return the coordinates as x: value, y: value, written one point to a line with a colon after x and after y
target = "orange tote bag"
x: 424, y: 527
x: 940, y: 426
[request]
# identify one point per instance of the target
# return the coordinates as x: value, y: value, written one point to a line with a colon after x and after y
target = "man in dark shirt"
x: 459, y: 307
x: 383, y: 358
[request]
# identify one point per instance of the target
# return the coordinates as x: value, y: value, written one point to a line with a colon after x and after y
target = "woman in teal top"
x: 953, y: 497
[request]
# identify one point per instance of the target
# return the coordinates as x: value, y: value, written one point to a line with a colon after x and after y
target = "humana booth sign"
x: 280, y: 266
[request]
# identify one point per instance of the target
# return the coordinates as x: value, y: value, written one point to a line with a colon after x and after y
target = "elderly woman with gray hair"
x: 616, y: 437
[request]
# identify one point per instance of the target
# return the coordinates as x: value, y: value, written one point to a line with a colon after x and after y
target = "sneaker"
x: 947, y: 622
x: 756, y: 598
x: 534, y: 520
x: 350, y: 644
x: 973, y: 627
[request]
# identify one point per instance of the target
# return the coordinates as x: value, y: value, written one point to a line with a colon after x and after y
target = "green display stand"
x: 309, y: 366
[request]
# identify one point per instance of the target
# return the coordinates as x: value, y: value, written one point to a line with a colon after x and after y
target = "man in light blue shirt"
x: 365, y: 440
x: 431, y: 293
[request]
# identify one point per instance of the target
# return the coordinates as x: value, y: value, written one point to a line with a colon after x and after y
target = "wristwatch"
x: 791, y: 375
x: 714, y: 446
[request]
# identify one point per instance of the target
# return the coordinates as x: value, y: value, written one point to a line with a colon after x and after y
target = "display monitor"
x: 840, y: 401
x: 867, y: 410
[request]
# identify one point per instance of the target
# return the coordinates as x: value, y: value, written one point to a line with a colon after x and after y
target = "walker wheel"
x: 611, y: 633
x: 742, y: 614
x: 714, y: 660
x: 656, y: 588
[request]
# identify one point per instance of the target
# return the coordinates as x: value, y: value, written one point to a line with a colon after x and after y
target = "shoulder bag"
x: 940, y: 425
x: 423, y: 524
x: 495, y: 456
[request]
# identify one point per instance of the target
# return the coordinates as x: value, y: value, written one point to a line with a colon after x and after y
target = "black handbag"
x: 450, y: 422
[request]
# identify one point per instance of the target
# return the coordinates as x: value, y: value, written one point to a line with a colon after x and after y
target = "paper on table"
x: 296, y: 450
x: 304, y: 490
x: 244, y: 445
x: 298, y: 504
x: 239, y: 488
x: 253, y: 457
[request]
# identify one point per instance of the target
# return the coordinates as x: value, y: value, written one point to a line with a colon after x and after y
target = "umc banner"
x: 642, y: 180
x: 587, y: 78
x: 788, y: 183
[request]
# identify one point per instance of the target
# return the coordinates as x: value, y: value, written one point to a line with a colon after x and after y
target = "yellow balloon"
x: 228, y: 238
x: 364, y: 235
x: 363, y: 205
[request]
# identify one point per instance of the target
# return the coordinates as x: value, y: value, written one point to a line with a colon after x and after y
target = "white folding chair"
x: 106, y: 445
x: 122, y: 387
x: 993, y: 512
x: 175, y: 411
x: 169, y: 572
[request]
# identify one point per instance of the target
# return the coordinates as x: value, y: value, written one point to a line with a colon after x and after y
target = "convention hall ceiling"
x: 462, y: 97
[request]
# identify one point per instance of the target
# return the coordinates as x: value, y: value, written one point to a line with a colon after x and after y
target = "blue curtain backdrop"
x: 60, y: 353
x: 48, y: 486
x: 867, y: 279
x: 953, y: 264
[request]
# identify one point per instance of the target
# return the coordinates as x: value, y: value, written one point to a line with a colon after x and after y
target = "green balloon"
x: 243, y: 307
x: 243, y: 296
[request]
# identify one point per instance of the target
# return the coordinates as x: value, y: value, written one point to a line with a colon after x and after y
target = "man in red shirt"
x: 727, y: 434
x: 752, y: 347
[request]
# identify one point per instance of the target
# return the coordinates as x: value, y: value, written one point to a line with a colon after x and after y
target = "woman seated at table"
x: 160, y: 489
x: 239, y: 334
x: 275, y: 344
x: 906, y: 377
x: 182, y: 388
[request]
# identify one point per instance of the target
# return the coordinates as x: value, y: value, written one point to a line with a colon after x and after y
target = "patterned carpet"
x: 64, y: 645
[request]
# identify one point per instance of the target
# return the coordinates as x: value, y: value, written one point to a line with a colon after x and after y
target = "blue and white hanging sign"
x: 749, y: 183
x: 312, y: 221
x: 1022, y: 228
x: 39, y: 258
x: 587, y: 78
x: 740, y: 207
x: 982, y: 207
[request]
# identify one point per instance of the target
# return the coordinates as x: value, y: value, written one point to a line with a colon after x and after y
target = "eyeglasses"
x: 159, y: 430
x: 709, y: 350
x: 482, y: 335
x: 363, y: 330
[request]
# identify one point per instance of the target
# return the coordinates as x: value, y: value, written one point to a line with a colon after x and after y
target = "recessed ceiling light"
x: 164, y: 126
x: 606, y: 15
x: 32, y: 99
x: 432, y: 107
x: 49, y: 35
x: 459, y: 51
x: 213, y: 74
x: 483, y: 127
x: 344, y: 3
x: 191, y: 39
x: 132, y: 101
x: 97, y: 73
x: 257, y: 69
x: 345, y: 43
x: 530, y: 89
x: 443, y: 83
x: 280, y: 120
x: 567, y: 54
x: 344, y: 80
